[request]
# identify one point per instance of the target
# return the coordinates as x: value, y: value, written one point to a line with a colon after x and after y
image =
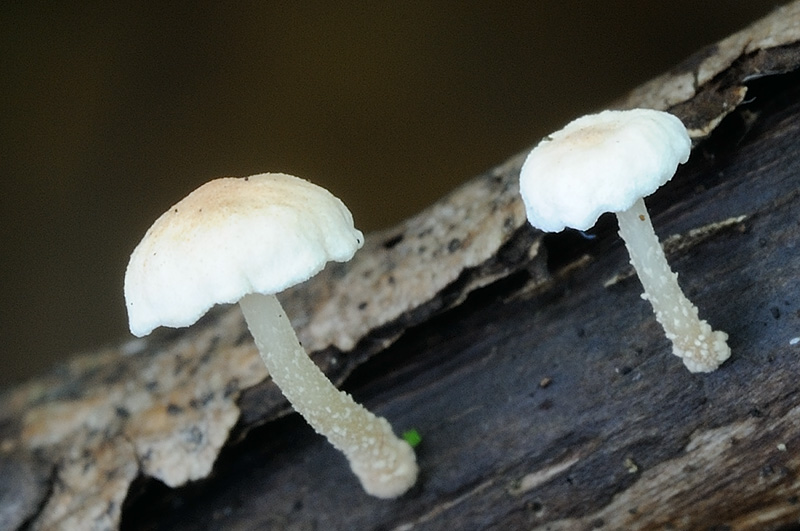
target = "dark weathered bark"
x: 545, y: 392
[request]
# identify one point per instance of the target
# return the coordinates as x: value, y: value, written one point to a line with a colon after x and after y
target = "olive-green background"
x: 110, y: 113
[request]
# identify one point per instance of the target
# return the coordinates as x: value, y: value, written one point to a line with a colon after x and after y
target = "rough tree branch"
x: 545, y: 392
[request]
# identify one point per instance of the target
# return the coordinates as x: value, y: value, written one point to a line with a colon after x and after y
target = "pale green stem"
x: 385, y: 464
x: 693, y: 340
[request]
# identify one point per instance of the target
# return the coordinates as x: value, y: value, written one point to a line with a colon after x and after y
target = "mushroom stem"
x: 700, y: 348
x: 385, y: 464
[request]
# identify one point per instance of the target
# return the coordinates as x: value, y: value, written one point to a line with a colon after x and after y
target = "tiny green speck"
x: 412, y: 437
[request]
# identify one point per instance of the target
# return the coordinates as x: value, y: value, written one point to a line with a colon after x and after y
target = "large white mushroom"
x: 244, y: 240
x: 608, y: 162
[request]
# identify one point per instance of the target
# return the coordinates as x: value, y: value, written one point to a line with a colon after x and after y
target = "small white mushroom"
x: 608, y: 162
x: 244, y: 240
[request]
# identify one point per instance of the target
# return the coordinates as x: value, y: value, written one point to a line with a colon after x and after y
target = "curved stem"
x: 693, y: 340
x: 385, y: 464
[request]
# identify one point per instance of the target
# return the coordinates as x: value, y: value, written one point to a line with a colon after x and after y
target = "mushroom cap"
x: 231, y: 237
x: 600, y: 163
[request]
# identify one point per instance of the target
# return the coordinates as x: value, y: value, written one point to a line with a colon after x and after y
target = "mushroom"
x: 608, y: 162
x: 244, y: 240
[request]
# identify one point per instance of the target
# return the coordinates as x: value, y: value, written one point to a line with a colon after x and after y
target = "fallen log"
x: 545, y: 392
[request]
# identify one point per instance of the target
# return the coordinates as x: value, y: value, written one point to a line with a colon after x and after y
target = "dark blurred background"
x: 112, y: 112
